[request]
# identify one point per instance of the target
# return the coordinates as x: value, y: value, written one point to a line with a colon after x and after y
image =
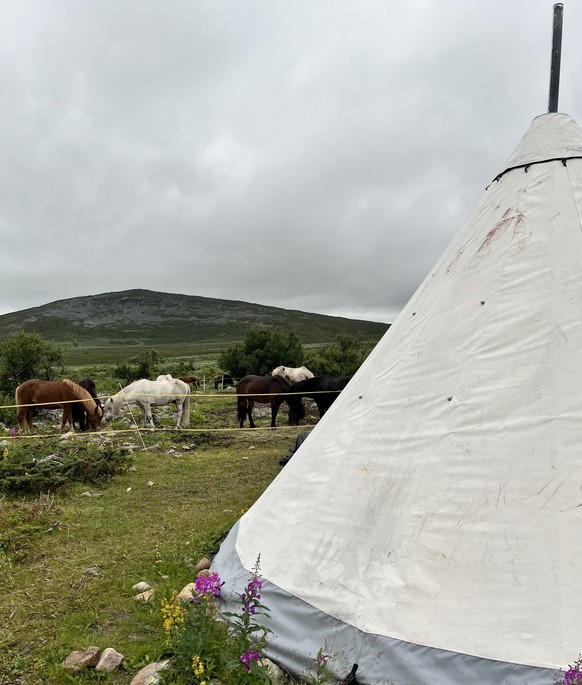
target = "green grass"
x: 198, y: 354
x: 52, y: 603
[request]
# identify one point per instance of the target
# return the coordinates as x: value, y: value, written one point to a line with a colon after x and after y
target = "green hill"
x: 144, y: 317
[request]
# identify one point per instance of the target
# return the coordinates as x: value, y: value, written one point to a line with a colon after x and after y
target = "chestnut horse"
x: 51, y: 395
x: 79, y: 416
x: 268, y: 390
x: 193, y: 380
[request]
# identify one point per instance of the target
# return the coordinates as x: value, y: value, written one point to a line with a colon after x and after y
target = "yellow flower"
x: 198, y: 668
x: 173, y: 615
x: 5, y: 453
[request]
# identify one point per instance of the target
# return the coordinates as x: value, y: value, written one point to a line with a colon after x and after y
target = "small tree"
x: 26, y: 355
x: 342, y: 358
x: 262, y: 350
x: 141, y: 366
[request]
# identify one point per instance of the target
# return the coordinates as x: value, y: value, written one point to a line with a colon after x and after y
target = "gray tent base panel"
x: 300, y: 631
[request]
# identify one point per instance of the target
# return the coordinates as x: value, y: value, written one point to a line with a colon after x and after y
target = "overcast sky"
x: 312, y: 155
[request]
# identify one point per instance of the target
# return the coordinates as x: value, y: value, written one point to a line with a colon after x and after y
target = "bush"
x: 144, y: 365
x: 28, y: 355
x: 343, y: 358
x: 262, y: 350
x: 31, y: 468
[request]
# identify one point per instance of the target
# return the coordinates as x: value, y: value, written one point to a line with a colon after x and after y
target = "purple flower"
x: 12, y: 431
x: 248, y: 657
x: 205, y: 586
x: 573, y: 676
x: 251, y: 597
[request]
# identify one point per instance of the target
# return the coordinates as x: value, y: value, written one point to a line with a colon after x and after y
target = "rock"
x: 92, y: 571
x: 187, y: 592
x: 146, y: 596
x: 276, y: 674
x: 204, y: 573
x: 77, y: 661
x: 110, y: 660
x: 149, y: 674
x: 202, y: 564
x: 142, y: 586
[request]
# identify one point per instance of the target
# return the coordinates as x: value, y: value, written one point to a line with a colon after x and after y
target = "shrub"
x: 31, y: 467
x: 343, y: 358
x: 262, y: 350
x: 28, y: 355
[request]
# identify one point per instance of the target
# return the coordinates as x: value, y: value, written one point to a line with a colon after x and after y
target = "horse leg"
x: 275, y: 404
x: 22, y: 417
x: 321, y: 407
x: 67, y: 417
x: 241, y: 408
x: 250, y: 405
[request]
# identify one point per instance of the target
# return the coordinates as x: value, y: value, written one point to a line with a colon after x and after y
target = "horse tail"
x: 185, y: 420
x: 241, y: 407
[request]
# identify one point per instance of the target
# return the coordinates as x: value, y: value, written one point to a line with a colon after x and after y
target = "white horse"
x: 292, y: 375
x: 145, y: 393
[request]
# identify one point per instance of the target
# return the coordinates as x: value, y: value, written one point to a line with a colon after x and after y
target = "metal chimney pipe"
x: 556, y: 58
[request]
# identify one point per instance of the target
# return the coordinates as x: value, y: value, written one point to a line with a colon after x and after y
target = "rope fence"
x: 130, y: 398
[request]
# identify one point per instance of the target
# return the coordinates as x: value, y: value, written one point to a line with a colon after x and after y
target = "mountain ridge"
x: 140, y: 316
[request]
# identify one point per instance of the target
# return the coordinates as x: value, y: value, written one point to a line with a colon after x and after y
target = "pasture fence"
x: 227, y: 396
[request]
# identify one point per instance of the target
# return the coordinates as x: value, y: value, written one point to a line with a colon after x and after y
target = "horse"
x: 251, y: 389
x: 41, y: 394
x: 323, y: 390
x: 193, y: 380
x: 79, y: 416
x: 145, y: 393
x: 223, y: 379
x: 292, y: 375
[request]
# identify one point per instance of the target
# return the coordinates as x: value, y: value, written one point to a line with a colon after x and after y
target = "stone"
x: 109, y: 661
x: 86, y: 658
x: 276, y: 674
x: 204, y: 573
x: 149, y: 675
x: 202, y: 564
x: 92, y: 571
x: 146, y: 596
x: 142, y: 586
x: 187, y: 592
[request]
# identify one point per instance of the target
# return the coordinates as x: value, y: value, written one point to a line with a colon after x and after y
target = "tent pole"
x: 556, y: 57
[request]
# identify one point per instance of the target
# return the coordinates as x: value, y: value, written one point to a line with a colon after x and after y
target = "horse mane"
x: 80, y: 393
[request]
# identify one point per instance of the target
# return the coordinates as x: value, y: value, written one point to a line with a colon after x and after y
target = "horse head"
x: 94, y: 417
x: 108, y: 412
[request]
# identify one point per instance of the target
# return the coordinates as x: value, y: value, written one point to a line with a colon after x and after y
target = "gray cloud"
x: 315, y: 156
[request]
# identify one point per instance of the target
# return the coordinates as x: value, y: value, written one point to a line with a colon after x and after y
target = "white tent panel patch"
x: 432, y: 522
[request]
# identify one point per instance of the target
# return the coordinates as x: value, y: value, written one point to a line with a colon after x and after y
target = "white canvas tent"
x: 430, y: 527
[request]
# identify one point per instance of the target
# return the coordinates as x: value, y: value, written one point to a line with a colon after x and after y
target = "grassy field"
x: 66, y: 581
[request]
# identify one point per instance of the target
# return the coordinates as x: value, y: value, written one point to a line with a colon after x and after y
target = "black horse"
x: 223, y: 379
x: 323, y: 390
x: 79, y: 416
x: 269, y: 390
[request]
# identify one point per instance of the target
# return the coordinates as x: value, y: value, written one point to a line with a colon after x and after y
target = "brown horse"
x: 50, y: 395
x: 193, y: 380
x: 268, y: 390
